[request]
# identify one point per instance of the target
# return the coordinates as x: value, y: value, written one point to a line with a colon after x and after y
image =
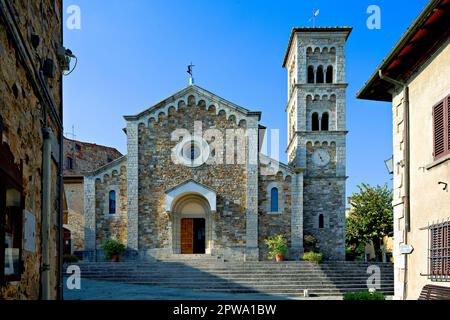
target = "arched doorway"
x: 192, y: 225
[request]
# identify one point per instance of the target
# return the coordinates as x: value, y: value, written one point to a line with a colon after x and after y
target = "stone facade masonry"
x: 241, y: 219
x: 21, y: 122
x: 323, y: 186
x: 132, y: 186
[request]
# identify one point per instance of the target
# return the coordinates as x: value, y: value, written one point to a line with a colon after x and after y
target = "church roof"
x: 348, y: 30
x: 201, y: 92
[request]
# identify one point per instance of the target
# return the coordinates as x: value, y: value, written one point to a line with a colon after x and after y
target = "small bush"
x: 313, y: 257
x: 310, y: 242
x: 113, y: 248
x: 68, y: 258
x: 364, y: 295
x: 277, y: 246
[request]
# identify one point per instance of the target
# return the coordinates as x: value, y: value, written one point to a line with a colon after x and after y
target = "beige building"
x: 32, y: 62
x: 415, y: 77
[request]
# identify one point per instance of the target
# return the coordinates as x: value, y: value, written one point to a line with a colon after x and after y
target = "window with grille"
x: 439, y: 251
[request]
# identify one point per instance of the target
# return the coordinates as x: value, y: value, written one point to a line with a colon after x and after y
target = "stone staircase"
x: 288, y: 279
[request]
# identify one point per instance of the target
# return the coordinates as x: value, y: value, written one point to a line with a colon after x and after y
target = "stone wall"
x: 75, y: 223
x: 326, y: 196
x: 87, y: 157
x: 274, y: 223
x: 111, y: 226
x: 158, y: 173
x: 22, y: 115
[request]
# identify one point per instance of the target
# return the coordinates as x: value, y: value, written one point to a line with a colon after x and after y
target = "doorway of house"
x: 67, y: 239
x: 193, y: 240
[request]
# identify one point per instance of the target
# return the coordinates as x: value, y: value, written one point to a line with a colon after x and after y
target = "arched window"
x: 310, y: 74
x: 315, y: 122
x: 69, y: 163
x: 330, y: 74
x: 319, y: 77
x: 321, y: 222
x: 325, y: 121
x: 274, y: 200
x: 112, y: 202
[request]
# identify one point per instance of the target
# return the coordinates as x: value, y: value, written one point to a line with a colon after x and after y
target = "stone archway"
x: 192, y: 225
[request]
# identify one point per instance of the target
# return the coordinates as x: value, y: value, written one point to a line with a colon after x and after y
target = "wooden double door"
x: 193, y: 240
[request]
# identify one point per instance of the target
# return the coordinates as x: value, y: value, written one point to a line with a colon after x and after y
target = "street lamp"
x: 390, y: 165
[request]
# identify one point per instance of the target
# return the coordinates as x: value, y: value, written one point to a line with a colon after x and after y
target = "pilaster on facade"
x: 252, y: 163
x: 89, y: 212
x: 132, y: 186
x: 296, y: 250
x: 398, y: 195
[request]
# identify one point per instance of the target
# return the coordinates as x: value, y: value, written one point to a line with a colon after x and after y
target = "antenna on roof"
x: 71, y: 134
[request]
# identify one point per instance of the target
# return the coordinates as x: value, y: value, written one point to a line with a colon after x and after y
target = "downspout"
x: 46, y: 212
x: 407, y: 137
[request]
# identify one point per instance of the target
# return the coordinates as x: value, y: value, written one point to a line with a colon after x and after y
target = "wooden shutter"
x: 448, y: 123
x: 439, y: 130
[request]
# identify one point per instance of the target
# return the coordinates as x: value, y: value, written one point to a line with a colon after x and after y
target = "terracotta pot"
x: 115, y: 258
x: 279, y: 258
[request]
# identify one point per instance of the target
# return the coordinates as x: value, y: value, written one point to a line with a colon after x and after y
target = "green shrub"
x: 68, y: 258
x: 277, y: 246
x: 313, y: 256
x: 309, y: 242
x: 113, y: 248
x: 364, y: 295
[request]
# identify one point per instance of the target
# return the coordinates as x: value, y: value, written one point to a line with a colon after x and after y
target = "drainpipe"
x: 46, y: 212
x: 406, y: 202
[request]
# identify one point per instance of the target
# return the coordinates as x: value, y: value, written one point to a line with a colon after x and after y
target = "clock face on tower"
x: 321, y: 158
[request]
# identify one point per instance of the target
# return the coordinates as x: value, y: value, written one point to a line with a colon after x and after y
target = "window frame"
x: 321, y: 220
x: 10, y: 176
x: 438, y: 255
x: 272, y: 199
x: 446, y: 127
x: 115, y: 202
x: 69, y: 163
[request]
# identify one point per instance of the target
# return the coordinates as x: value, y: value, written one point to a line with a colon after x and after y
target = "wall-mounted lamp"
x: 389, y: 165
x: 65, y: 56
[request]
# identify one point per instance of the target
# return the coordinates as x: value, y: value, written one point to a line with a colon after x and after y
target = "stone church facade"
x: 194, y: 180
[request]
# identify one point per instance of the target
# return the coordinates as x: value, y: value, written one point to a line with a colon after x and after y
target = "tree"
x: 371, y: 217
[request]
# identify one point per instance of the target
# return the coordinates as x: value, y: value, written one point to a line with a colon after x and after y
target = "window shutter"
x: 439, y: 130
x: 448, y: 123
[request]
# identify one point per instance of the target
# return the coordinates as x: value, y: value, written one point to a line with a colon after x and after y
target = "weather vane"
x: 316, y: 13
x: 190, y: 70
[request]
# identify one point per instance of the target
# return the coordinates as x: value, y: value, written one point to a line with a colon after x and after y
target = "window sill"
x: 438, y: 162
x: 274, y: 213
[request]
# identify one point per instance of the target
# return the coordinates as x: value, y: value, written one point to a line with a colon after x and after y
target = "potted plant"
x: 113, y: 250
x: 277, y: 247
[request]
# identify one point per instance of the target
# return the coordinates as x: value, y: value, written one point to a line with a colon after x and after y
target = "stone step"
x: 232, y: 273
x: 283, y: 279
x: 230, y: 268
x: 254, y: 285
x: 277, y: 277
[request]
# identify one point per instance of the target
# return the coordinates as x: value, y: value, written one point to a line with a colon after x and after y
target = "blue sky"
x: 134, y: 53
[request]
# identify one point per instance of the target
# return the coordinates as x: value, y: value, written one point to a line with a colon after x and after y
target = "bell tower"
x: 315, y: 60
